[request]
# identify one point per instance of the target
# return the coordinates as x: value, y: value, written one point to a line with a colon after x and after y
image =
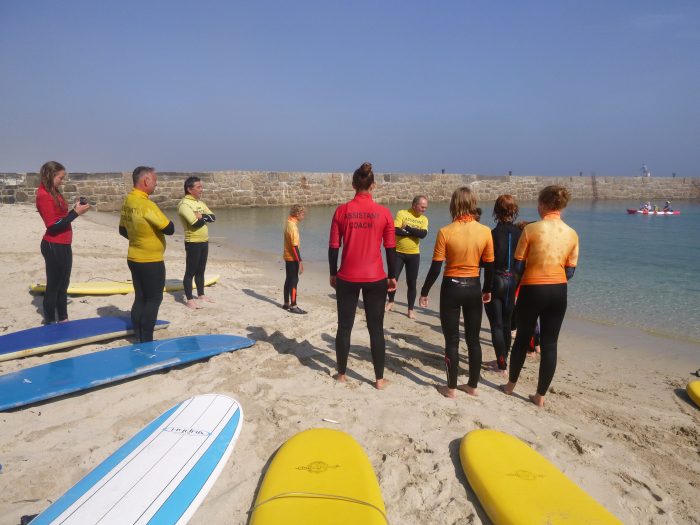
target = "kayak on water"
x: 652, y: 212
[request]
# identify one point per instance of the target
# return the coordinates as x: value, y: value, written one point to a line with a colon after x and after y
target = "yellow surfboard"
x: 693, y: 390
x: 115, y: 287
x: 516, y: 485
x: 320, y: 476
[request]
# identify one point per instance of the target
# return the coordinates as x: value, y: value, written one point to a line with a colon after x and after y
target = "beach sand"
x: 617, y: 420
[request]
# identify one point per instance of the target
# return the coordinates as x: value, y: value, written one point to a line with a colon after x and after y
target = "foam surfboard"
x: 319, y: 476
x: 693, y: 390
x: 162, y: 474
x: 515, y: 484
x: 65, y: 335
x: 107, y: 366
x: 115, y: 287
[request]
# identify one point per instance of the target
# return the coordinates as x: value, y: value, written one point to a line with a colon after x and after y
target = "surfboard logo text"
x: 188, y: 431
x: 317, y: 467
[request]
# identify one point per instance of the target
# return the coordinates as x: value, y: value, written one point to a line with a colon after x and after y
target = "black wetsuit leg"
x: 291, y: 281
x: 59, y: 262
x: 548, y: 302
x: 400, y: 261
x: 412, y: 261
x: 195, y: 264
x: 373, y: 298
x: 347, y: 295
x: 499, y: 311
x: 148, y: 280
x: 461, y: 295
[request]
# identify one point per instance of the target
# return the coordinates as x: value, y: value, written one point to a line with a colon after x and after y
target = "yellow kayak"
x: 115, y: 287
x: 320, y: 476
x: 517, y: 485
x: 693, y: 390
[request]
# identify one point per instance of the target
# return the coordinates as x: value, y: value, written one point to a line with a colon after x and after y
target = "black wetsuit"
x: 500, y: 309
x: 59, y: 262
x: 195, y: 265
x: 412, y: 263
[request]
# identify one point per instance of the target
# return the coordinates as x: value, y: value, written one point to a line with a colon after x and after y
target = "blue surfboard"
x: 107, y: 366
x: 57, y: 336
x: 162, y: 474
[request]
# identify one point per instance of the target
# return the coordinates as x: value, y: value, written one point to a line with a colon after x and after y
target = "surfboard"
x: 162, y: 474
x: 319, y: 476
x: 65, y: 335
x: 515, y: 484
x: 107, y: 366
x: 116, y: 287
x: 693, y: 390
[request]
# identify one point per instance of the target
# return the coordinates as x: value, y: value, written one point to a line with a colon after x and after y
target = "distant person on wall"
x: 293, y: 265
x: 145, y: 226
x: 360, y: 227
x: 410, y: 226
x: 56, y: 242
x: 195, y: 215
x: 546, y: 258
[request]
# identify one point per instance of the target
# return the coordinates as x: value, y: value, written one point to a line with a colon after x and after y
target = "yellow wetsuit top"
x: 547, y: 247
x: 463, y: 244
x: 186, y: 210
x: 143, y: 221
x: 409, y: 244
x: 291, y: 239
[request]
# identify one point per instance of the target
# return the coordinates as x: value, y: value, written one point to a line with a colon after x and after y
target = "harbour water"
x: 634, y: 270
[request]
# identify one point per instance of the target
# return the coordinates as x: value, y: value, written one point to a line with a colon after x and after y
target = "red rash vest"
x: 360, y: 227
x: 52, y: 213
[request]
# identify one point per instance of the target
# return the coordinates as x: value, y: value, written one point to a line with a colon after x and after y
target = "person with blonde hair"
x: 293, y: 265
x: 57, y: 239
x: 465, y: 245
x: 546, y: 258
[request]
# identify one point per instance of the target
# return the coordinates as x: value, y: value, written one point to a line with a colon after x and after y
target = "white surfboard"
x: 162, y: 474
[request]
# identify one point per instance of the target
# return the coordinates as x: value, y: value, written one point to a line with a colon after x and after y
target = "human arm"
x: 416, y: 232
x: 430, y: 279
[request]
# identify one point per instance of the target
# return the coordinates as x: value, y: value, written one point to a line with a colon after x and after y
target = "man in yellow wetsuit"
x: 411, y: 226
x: 145, y: 226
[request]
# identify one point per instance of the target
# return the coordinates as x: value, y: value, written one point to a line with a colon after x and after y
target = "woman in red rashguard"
x: 361, y: 226
x: 56, y: 242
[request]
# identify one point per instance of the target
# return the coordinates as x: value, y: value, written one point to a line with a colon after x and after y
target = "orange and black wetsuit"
x: 465, y: 245
x: 546, y: 256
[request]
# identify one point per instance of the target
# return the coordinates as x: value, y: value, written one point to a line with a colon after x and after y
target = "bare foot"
x: 537, y: 400
x: 381, y: 384
x: 191, y: 303
x: 449, y: 393
x: 508, y: 388
x: 411, y: 314
x: 63, y: 321
x: 388, y: 307
x: 469, y: 390
x: 341, y: 378
x: 206, y: 299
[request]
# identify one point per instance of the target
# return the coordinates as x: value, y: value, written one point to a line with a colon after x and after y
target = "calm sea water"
x: 633, y: 270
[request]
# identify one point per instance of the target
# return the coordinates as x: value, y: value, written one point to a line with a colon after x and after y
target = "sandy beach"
x: 617, y: 420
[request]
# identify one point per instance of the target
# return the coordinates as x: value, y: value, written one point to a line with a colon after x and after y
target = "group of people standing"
x: 144, y: 225
x: 538, y: 261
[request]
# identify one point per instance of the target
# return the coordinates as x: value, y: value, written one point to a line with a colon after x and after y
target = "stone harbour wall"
x: 232, y: 189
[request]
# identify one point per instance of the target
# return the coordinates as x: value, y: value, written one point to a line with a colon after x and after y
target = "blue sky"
x: 537, y: 87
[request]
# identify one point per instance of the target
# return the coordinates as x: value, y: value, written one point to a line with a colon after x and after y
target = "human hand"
x: 81, y: 208
x: 391, y: 285
x: 332, y: 281
x: 301, y: 267
x: 423, y: 301
x: 486, y: 297
x: 197, y: 215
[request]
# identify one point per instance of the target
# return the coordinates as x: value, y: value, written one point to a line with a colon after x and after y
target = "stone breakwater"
x: 232, y: 189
